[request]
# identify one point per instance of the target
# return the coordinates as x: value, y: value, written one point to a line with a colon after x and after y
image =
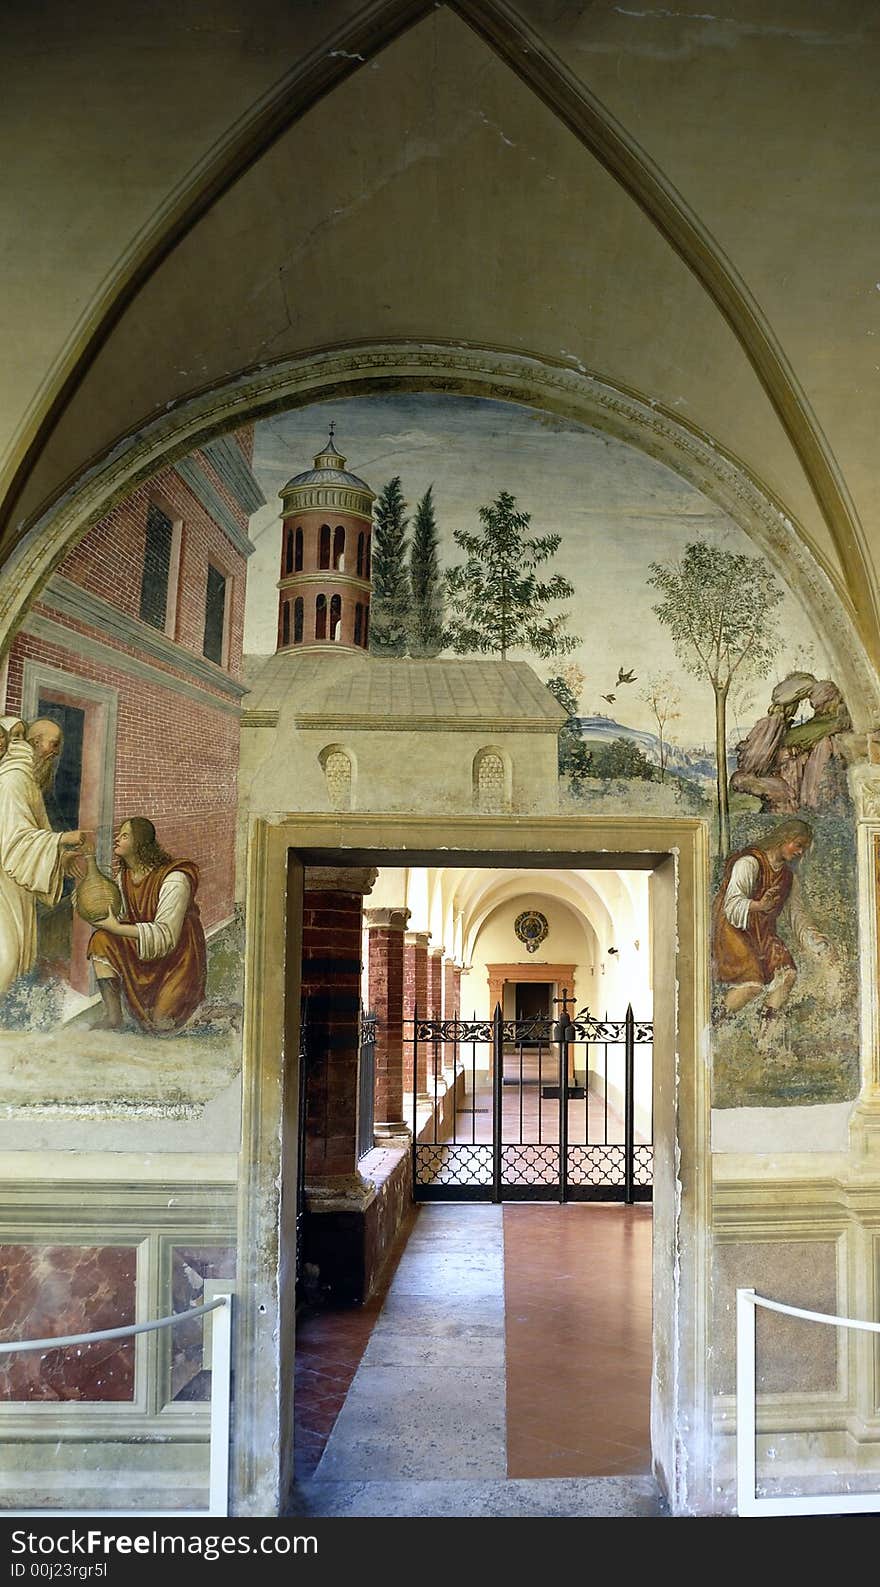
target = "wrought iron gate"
x: 527, y: 1109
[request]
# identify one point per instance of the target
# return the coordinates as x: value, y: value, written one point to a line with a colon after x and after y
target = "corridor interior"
x: 503, y: 1368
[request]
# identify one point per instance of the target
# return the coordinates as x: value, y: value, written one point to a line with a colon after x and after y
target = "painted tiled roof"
x: 360, y: 691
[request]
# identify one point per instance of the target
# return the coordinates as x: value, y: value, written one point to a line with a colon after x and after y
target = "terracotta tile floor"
x: 577, y: 1283
x: 577, y: 1292
x: 329, y: 1347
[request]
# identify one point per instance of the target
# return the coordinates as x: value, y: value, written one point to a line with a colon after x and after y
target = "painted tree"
x: 663, y: 695
x: 391, y: 598
x: 496, y: 600
x: 426, y: 584
x: 719, y: 607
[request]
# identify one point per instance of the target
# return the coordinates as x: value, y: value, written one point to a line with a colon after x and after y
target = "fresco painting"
x: 679, y: 676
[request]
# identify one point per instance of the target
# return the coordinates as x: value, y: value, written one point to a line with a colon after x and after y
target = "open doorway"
x: 282, y: 857
x: 520, y: 1102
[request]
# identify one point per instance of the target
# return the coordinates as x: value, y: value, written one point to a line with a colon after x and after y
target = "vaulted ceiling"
x: 682, y: 204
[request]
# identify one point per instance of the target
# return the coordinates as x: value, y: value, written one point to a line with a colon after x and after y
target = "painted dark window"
x: 358, y: 623
x: 157, y: 567
x: 367, y: 558
x: 360, y: 555
x: 339, y: 547
x: 324, y: 555
x: 336, y: 617
x: 285, y: 623
x: 215, y: 613
x: 298, y: 620
x: 288, y: 551
x: 298, y: 551
x: 366, y: 626
x: 321, y: 617
x: 62, y: 798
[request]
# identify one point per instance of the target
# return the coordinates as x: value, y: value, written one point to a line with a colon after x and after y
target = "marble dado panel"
x: 792, y: 1356
x: 52, y: 1290
x: 191, y: 1268
x: 132, y: 1251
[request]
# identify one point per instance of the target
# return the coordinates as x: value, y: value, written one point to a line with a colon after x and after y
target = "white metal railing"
x: 747, y: 1501
x: 221, y: 1367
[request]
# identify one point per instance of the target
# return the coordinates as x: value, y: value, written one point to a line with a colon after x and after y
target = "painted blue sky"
x: 616, y: 510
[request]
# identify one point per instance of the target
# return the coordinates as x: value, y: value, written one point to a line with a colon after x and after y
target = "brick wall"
x: 176, y: 756
x: 176, y: 762
x: 109, y: 559
x: 331, y: 992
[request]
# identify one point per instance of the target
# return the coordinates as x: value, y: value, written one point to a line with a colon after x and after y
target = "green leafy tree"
x: 574, y: 758
x: 719, y: 608
x: 391, y: 598
x: 426, y: 609
x: 496, y: 600
x: 622, y: 758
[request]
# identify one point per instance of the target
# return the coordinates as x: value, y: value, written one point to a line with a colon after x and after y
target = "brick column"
x: 385, y: 930
x: 331, y: 982
x: 435, y: 1005
x: 449, y: 1011
x: 415, y: 995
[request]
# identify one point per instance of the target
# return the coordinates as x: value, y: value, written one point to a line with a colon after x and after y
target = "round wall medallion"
x: 531, y: 928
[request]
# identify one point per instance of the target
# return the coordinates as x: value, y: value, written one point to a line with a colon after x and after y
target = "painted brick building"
x: 135, y: 648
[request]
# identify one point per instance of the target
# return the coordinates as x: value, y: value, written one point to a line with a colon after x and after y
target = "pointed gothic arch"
x: 523, y: 50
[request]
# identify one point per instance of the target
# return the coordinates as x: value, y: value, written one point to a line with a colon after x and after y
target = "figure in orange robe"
x: 748, y: 955
x: 156, y: 956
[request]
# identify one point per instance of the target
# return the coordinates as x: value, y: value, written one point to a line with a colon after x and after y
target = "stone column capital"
x: 436, y: 953
x: 339, y: 879
x: 387, y: 919
x: 417, y: 939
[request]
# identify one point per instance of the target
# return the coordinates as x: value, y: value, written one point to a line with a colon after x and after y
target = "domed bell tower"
x: 324, y: 588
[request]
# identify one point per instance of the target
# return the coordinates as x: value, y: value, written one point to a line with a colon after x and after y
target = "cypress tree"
x: 391, y: 598
x: 426, y: 612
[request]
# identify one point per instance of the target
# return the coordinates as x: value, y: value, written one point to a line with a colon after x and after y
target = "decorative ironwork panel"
x: 597, y: 1165
x: 451, y: 1030
x: 538, y: 1029
x: 453, y: 1165
x: 643, y: 1165
x: 530, y: 1165
x: 588, y: 1028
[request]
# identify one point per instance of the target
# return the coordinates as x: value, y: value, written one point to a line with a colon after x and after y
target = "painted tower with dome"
x: 324, y: 588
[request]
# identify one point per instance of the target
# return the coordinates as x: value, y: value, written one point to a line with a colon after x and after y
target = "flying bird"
x: 625, y: 677
x: 610, y: 698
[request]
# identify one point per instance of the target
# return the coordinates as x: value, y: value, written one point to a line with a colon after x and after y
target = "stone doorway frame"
x: 677, y: 854
x: 501, y: 975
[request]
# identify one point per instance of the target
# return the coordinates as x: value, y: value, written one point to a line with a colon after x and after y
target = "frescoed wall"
x: 443, y: 606
x: 120, y: 964
x: 646, y: 661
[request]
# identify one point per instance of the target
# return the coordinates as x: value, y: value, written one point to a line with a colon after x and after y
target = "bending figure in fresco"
x: 155, y: 954
x: 34, y: 860
x: 801, y: 766
x: 758, y: 756
x: 748, y: 955
x: 812, y: 761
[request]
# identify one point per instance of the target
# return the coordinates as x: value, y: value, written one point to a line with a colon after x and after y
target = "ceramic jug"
x: 97, y: 895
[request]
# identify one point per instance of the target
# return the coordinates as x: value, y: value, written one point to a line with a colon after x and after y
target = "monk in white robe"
x: 32, y: 857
